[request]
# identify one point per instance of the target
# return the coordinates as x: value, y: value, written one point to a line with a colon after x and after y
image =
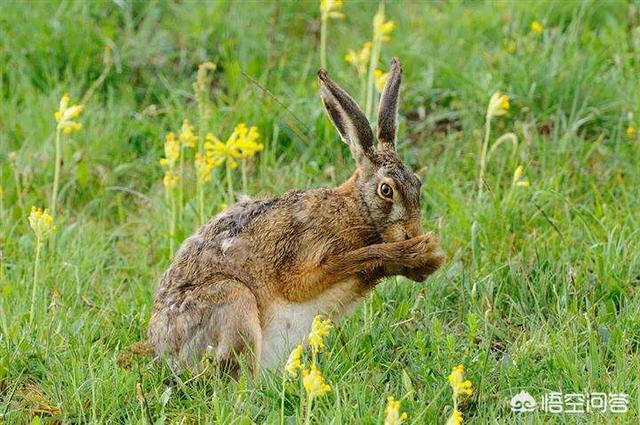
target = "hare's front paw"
x: 422, y: 257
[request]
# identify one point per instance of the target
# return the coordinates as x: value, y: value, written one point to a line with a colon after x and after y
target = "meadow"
x: 541, y: 288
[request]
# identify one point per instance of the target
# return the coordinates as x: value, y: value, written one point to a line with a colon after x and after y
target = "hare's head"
x: 388, y: 189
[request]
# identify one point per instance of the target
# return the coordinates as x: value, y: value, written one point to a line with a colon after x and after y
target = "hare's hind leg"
x: 220, y: 319
x: 237, y: 326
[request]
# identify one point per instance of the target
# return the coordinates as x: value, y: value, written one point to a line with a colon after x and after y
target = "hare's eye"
x: 386, y: 191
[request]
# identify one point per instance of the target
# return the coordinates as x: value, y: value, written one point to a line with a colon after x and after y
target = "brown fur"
x: 228, y: 281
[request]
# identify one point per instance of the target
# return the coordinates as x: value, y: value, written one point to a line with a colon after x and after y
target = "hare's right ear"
x: 349, y: 120
x: 388, y: 109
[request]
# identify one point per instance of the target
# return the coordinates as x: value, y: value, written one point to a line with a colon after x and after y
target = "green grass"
x: 541, y: 288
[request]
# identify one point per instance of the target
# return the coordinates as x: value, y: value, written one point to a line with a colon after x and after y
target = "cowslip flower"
x: 170, y: 179
x: 219, y: 152
x: 41, y: 222
x: 517, y: 177
x: 631, y: 131
x: 66, y: 114
x: 171, y: 151
x: 380, y: 79
x: 455, y: 418
x: 382, y: 28
x: 204, y: 166
x: 537, y: 27
x: 359, y: 59
x: 187, y: 136
x: 319, y: 330
x: 245, y: 141
x: 392, y: 412
x: 294, y: 362
x: 498, y: 105
x: 459, y: 385
x: 331, y: 8
x: 314, y: 383
x: 518, y: 173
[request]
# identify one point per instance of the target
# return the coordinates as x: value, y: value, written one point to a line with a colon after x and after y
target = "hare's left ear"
x: 388, y: 109
x: 349, y: 120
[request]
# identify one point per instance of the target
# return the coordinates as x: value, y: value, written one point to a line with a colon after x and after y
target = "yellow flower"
x: 382, y: 29
x: 204, y: 166
x: 187, y: 137
x: 460, y: 386
x: 241, y: 144
x: 219, y: 152
x: 512, y: 46
x: 392, y: 412
x: 498, y: 105
x: 380, y: 79
x: 319, y: 330
x: 359, y: 59
x: 223, y: 206
x: 294, y: 362
x: 517, y: 177
x: 170, y: 180
x: 245, y: 141
x: 537, y: 27
x: 330, y: 8
x: 631, y: 131
x: 518, y: 173
x: 66, y: 114
x: 314, y: 383
x: 171, y: 151
x: 41, y: 222
x: 455, y: 418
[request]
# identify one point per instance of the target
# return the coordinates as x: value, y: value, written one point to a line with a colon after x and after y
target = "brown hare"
x: 251, y: 280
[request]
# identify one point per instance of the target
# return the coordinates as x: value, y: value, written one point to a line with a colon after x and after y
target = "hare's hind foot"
x: 219, y: 320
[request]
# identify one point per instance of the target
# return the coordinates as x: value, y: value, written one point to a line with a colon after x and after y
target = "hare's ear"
x: 388, y: 109
x: 349, y: 120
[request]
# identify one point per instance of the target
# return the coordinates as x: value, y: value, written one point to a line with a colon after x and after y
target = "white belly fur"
x: 290, y: 322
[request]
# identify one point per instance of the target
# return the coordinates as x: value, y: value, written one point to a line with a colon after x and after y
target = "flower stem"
x: 56, y: 174
x: 284, y: 382
x: 244, y: 176
x: 376, y: 45
x: 172, y: 229
x: 35, y: 281
x: 375, y: 56
x: 307, y: 417
x: 363, y: 88
x: 323, y: 40
x: 229, y: 183
x: 181, y: 187
x: 201, y: 137
x: 200, y: 201
x: 483, y: 154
